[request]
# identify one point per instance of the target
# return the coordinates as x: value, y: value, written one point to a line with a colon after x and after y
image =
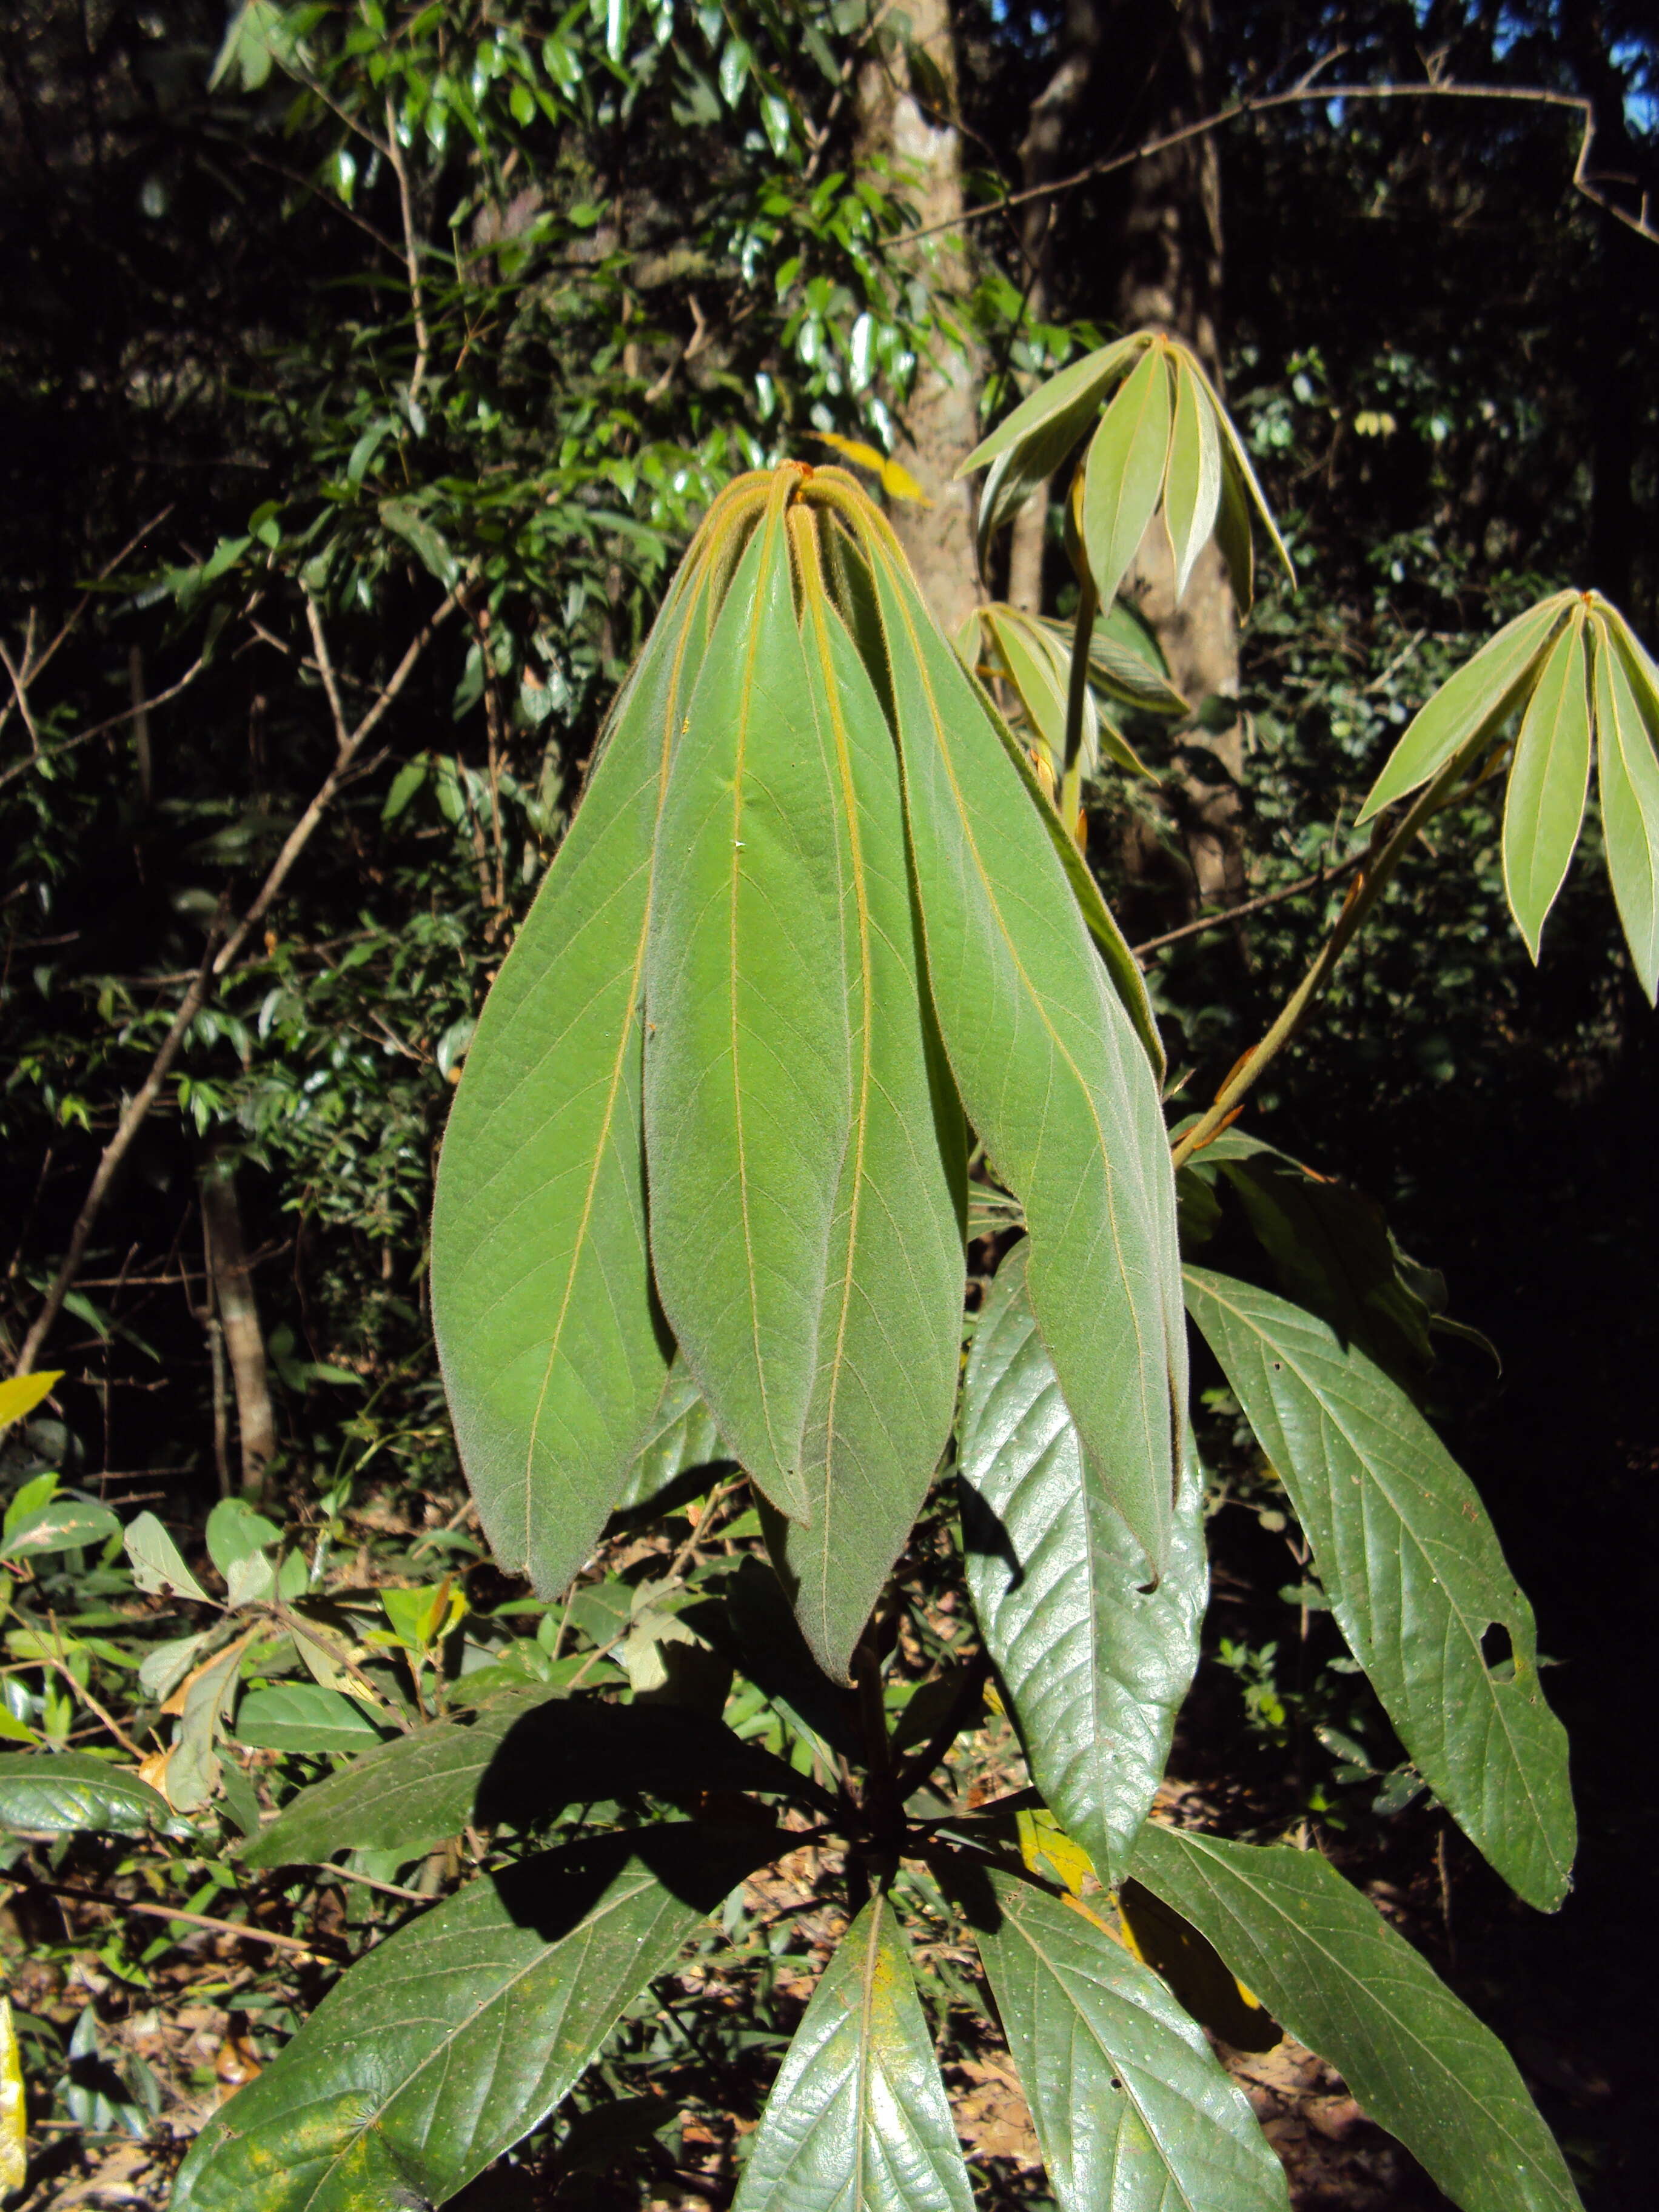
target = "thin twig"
x: 218, y: 958
x: 87, y: 1698
x: 394, y: 154
x: 1302, y: 94
x: 115, y: 1152
x: 1315, y: 882
x: 20, y: 681
x: 1378, y: 863
x: 315, y: 1950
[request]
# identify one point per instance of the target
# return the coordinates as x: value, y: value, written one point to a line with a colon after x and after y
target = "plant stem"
x: 1071, y: 786
x: 1383, y: 857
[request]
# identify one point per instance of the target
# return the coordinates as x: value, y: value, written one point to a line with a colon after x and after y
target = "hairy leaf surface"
x: 1051, y: 1071
x: 1124, y: 473
x: 1130, y: 2107
x: 748, y: 1083
x: 448, y: 2043
x: 1475, y: 703
x: 1628, y: 772
x: 1412, y: 1566
x: 857, y: 2120
x: 1192, y: 492
x: 1544, y: 806
x: 552, y: 1348
x: 889, y: 1346
x: 1324, y: 1961
x: 1094, y: 1664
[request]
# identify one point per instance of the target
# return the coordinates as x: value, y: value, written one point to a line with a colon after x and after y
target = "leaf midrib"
x: 1499, y: 1710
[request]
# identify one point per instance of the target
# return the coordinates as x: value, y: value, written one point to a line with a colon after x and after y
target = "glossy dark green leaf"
x: 1628, y: 769
x: 552, y: 1348
x: 1326, y: 1963
x: 444, y: 2046
x: 304, y: 1717
x: 1331, y: 1253
x: 857, y: 2120
x: 63, y: 1793
x: 748, y: 1078
x: 890, y: 1340
x: 1544, y: 807
x: 1413, y: 1569
x: 1192, y: 492
x: 525, y: 1757
x: 1130, y: 2107
x: 1050, y: 1067
x: 1471, y: 706
x: 1094, y: 1664
x: 1123, y: 477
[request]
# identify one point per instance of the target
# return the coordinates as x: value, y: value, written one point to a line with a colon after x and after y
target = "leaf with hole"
x: 1412, y: 1566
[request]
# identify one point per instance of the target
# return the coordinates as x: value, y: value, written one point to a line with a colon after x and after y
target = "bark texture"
x: 1170, y: 250
x: 921, y: 150
x: 232, y: 1289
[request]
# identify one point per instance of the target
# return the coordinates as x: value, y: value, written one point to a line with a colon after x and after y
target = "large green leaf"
x: 1025, y: 449
x: 1129, y: 2104
x: 748, y: 1076
x: 524, y: 1757
x: 438, y: 2050
x: 1629, y: 777
x: 1123, y: 477
x: 857, y: 2120
x: 1544, y: 808
x: 1413, y: 1569
x: 303, y: 1717
x: 1094, y: 1664
x: 1326, y: 1963
x: 681, y: 1439
x: 1069, y: 395
x: 552, y: 1349
x: 890, y: 1342
x: 63, y: 1793
x: 1470, y: 706
x: 1192, y: 492
x: 1050, y: 1067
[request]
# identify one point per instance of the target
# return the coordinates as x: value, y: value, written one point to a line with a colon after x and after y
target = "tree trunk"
x: 940, y: 422
x: 1041, y: 156
x: 231, y: 1287
x: 1170, y: 270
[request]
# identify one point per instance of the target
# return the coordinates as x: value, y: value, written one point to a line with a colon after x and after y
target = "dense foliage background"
x: 374, y: 364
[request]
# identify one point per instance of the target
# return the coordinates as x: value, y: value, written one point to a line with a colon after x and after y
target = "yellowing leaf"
x: 897, y: 481
x: 1047, y: 1850
x: 14, y: 2110
x: 21, y: 1394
